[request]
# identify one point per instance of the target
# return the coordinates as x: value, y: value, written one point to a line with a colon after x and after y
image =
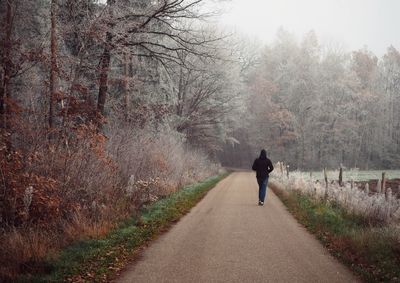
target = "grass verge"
x: 100, y: 260
x: 371, y: 250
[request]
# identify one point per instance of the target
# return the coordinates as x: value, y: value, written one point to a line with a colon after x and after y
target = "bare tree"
x: 152, y: 30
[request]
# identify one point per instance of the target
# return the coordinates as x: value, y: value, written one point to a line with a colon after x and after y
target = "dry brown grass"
x: 23, y: 249
x: 84, y: 227
x: 84, y: 189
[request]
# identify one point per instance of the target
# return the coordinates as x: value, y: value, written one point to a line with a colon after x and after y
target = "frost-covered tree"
x: 315, y: 106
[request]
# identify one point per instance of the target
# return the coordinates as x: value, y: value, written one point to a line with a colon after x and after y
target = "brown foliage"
x: 16, y: 209
x: 56, y: 174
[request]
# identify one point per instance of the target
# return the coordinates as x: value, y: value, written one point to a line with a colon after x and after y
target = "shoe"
x: 261, y: 203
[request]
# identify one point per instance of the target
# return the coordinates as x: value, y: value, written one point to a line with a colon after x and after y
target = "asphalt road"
x: 227, y: 237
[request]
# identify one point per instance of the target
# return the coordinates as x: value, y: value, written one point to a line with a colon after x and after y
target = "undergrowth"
x: 100, y: 260
x: 371, y: 250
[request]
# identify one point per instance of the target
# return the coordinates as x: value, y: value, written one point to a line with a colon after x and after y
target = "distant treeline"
x: 318, y: 106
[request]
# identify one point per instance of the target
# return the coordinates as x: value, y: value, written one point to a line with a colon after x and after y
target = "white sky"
x: 352, y: 23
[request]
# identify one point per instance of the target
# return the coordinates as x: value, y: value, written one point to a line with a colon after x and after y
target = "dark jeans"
x: 262, y: 188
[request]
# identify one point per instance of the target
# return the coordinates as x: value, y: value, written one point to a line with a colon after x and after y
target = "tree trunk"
x: 103, y: 80
x: 53, y: 66
x: 126, y: 86
x: 5, y: 92
x: 303, y: 149
x: 105, y: 65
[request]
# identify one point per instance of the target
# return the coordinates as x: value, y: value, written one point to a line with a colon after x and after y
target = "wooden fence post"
x: 388, y: 197
x: 341, y: 176
x: 287, y: 171
x: 388, y: 194
x: 378, y: 186
x: 383, y: 183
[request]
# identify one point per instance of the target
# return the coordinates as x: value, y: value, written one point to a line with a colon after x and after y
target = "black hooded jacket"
x: 262, y: 165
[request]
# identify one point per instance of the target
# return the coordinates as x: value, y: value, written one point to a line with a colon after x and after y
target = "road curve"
x: 227, y: 237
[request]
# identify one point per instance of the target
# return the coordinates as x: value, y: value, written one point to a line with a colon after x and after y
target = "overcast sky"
x: 353, y: 23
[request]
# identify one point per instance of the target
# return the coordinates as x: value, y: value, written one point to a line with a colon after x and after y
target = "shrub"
x: 81, y: 184
x: 378, y: 207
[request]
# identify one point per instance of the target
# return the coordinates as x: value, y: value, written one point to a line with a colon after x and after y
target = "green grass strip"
x: 98, y: 260
x: 371, y: 250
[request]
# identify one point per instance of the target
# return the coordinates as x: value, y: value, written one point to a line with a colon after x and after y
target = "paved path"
x: 227, y: 237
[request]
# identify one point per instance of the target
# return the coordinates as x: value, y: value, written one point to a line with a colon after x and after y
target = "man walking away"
x: 263, y: 166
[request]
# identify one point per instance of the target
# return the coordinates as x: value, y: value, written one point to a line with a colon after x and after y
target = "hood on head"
x: 263, y: 154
